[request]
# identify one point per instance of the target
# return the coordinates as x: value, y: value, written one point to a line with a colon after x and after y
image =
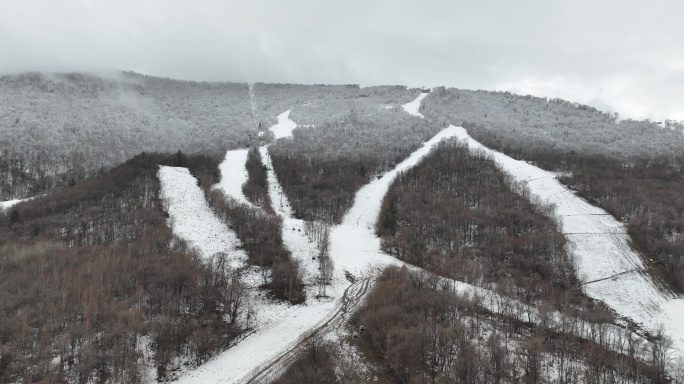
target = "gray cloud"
x: 617, y: 55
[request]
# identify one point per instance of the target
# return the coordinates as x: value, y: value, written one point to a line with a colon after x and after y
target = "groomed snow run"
x: 191, y: 219
x: 234, y: 175
x: 413, y: 106
x: 284, y: 127
x: 610, y: 268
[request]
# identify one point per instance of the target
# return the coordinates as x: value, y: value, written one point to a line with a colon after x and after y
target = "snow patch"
x: 11, y: 203
x: 413, y: 106
x: 284, y: 127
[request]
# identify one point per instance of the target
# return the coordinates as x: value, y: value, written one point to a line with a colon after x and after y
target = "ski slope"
x: 611, y: 270
x: 234, y: 174
x: 191, y: 219
x: 355, y: 250
x: 413, y: 106
x: 284, y: 127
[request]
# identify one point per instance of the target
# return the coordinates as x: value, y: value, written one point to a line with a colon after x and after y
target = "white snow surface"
x: 413, y: 106
x: 234, y: 174
x: 612, y: 270
x: 11, y: 203
x: 191, y: 219
x: 284, y: 127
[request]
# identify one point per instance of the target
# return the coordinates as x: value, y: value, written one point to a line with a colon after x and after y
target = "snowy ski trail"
x: 234, y: 175
x: 352, y: 298
x: 191, y: 219
x: 284, y: 127
x: 413, y: 106
x: 612, y: 269
x: 362, y: 256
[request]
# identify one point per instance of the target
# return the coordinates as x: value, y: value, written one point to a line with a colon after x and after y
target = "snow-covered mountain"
x: 166, y: 267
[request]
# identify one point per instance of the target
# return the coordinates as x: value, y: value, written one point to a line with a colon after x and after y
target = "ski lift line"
x: 377, y: 363
x: 384, y: 353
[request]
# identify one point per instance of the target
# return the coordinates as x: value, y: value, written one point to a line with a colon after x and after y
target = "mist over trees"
x: 92, y: 280
x: 517, y: 124
x: 63, y: 127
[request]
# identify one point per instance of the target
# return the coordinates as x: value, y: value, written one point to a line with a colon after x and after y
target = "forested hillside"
x: 323, y: 166
x: 63, y: 127
x: 632, y: 169
x: 425, y: 334
x: 96, y: 284
x: 316, y: 104
x: 92, y: 282
x: 528, y: 124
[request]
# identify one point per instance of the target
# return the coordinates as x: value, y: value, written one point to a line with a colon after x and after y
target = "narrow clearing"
x: 11, y: 203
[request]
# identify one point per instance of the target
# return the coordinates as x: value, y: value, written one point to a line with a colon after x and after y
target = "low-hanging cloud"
x: 622, y: 56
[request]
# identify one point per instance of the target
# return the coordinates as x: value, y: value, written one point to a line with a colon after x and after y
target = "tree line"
x: 256, y: 187
x: 261, y: 236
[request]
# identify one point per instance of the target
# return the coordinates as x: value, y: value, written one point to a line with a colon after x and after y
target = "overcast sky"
x: 618, y: 55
